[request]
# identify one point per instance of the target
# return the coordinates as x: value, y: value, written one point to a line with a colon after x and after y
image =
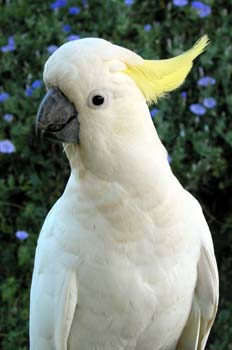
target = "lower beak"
x: 57, y: 118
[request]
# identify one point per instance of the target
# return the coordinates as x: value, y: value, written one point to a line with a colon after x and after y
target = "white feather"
x: 125, y: 259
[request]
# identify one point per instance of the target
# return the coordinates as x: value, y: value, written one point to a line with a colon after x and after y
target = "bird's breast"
x: 136, y: 275
x: 126, y: 296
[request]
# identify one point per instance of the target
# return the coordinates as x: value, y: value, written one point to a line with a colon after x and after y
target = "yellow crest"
x: 157, y: 77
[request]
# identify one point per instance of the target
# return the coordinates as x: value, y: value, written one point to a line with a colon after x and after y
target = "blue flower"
x: 74, y: 10
x: 209, y: 102
x: 197, y: 109
x: 180, y: 2
x: 21, y: 235
x: 8, y: 117
x: 10, y: 46
x: 66, y: 28
x: 205, y: 81
x: 184, y: 94
x: 30, y: 88
x: 147, y: 27
x: 154, y: 111
x: 28, y: 91
x: 36, y: 84
x: 6, y: 146
x: 57, y: 4
x: 169, y: 159
x: 129, y: 2
x: 202, y: 9
x: 52, y: 48
x: 73, y: 37
x: 4, y: 96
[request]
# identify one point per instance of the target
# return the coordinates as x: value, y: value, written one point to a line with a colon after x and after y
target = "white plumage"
x: 125, y: 259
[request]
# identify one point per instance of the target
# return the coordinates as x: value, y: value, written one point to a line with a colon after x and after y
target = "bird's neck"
x: 151, y: 184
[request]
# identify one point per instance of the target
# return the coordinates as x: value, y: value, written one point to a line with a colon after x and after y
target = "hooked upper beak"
x: 57, y: 118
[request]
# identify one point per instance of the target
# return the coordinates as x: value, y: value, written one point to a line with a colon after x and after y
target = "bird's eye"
x: 98, y: 99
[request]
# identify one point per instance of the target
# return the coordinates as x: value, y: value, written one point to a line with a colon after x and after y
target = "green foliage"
x: 34, y: 176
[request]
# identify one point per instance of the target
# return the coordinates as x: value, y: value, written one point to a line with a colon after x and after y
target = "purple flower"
x: 6, y: 146
x: 36, y: 84
x: 52, y: 48
x: 154, y: 111
x: 4, y: 96
x: 147, y: 27
x: 209, y: 102
x: 202, y: 9
x: 74, y: 10
x: 21, y: 235
x: 66, y: 28
x: 184, y: 94
x: 10, y: 46
x: 180, y: 2
x: 205, y: 81
x: 129, y: 2
x: 197, y: 109
x: 8, y: 117
x: 28, y: 91
x: 57, y: 4
x: 169, y: 159
x: 73, y: 37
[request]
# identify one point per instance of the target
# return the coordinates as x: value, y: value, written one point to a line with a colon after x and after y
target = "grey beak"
x: 57, y: 118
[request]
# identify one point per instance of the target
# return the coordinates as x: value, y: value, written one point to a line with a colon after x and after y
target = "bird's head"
x: 97, y: 95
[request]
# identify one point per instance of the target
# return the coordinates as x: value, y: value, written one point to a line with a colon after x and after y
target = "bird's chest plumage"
x: 135, y: 276
x: 124, y: 304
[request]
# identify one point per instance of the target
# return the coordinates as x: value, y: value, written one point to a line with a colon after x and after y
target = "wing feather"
x: 65, y: 309
x: 53, y: 301
x: 205, y: 298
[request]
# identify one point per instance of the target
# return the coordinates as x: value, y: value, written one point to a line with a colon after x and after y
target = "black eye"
x: 98, y: 100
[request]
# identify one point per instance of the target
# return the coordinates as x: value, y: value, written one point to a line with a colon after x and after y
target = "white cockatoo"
x: 125, y: 259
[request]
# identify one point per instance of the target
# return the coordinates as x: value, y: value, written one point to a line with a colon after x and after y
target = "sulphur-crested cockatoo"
x: 125, y: 259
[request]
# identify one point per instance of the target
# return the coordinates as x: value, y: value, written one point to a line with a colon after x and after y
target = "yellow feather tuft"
x: 157, y: 77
